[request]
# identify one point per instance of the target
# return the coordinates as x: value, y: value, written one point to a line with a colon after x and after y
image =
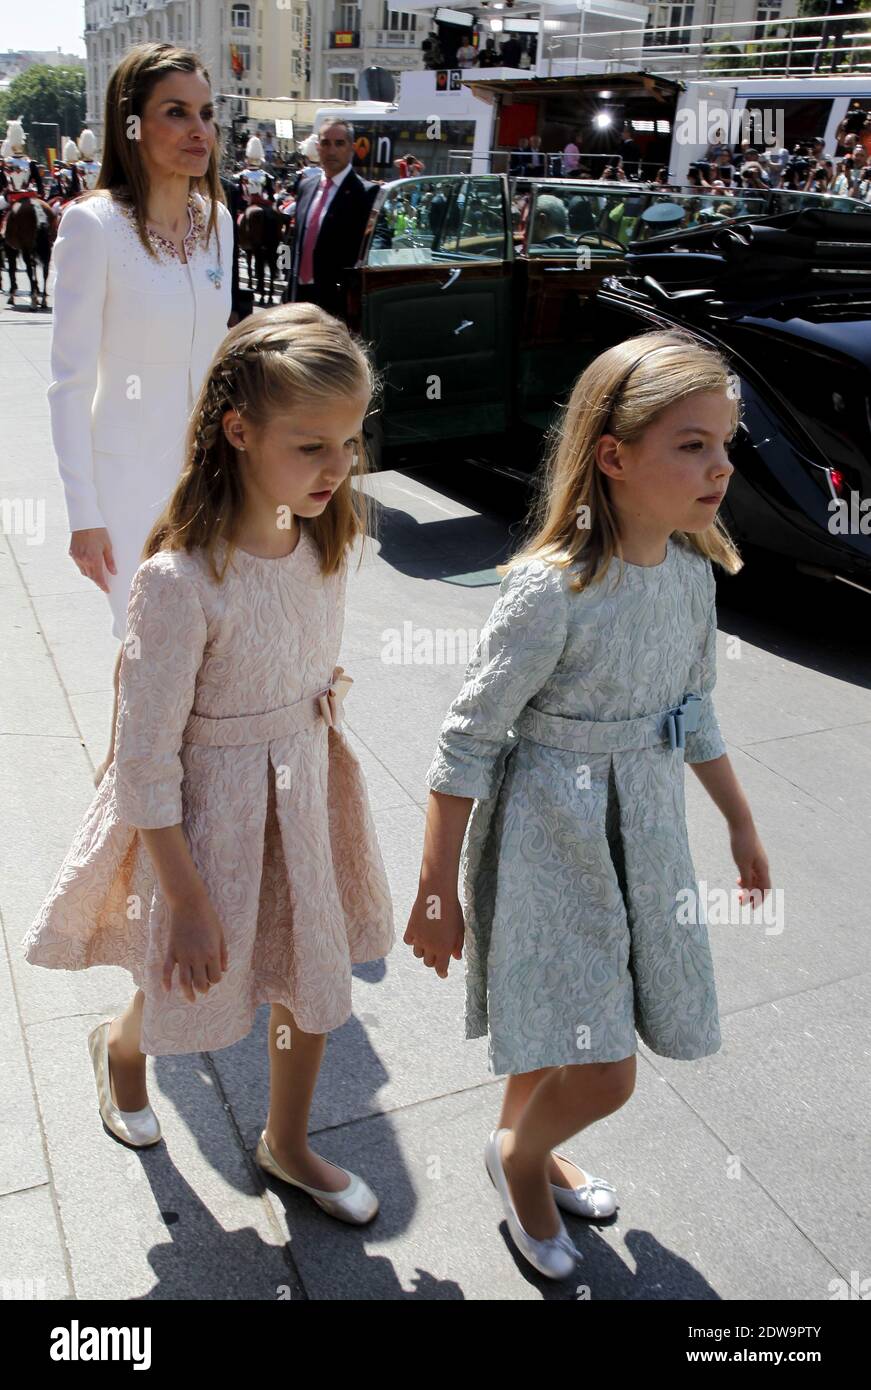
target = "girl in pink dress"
x: 229, y: 857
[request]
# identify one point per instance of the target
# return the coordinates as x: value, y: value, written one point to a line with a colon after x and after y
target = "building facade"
x: 348, y: 37
x: 257, y: 48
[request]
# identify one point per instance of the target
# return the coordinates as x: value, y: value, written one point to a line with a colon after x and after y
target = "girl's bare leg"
x: 518, y: 1089
x: 562, y: 1102
x: 293, y: 1074
x: 101, y: 770
x: 126, y: 1061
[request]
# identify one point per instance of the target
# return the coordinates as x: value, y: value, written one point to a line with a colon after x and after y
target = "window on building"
x: 680, y: 15
x: 671, y: 20
x: 767, y: 10
x: 400, y: 21
x: 346, y: 87
x: 240, y: 16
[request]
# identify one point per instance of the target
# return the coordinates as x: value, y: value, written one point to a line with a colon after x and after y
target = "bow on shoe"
x: 588, y: 1189
x: 331, y: 700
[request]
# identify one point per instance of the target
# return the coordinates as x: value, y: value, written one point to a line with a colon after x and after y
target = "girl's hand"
x: 90, y: 549
x: 752, y: 863
x: 196, y: 946
x: 436, y: 928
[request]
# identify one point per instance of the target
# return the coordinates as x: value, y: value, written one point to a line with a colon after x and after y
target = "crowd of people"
x: 805, y: 167
x: 472, y: 51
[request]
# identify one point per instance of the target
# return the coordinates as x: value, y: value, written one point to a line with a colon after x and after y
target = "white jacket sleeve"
x: 80, y: 263
x: 520, y: 645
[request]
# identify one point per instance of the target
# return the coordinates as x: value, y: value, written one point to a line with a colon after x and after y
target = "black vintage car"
x: 484, y: 299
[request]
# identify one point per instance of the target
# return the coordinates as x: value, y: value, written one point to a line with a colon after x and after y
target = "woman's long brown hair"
x: 122, y: 170
x: 275, y: 359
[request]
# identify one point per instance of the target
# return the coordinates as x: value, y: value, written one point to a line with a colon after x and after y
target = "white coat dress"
x: 132, y: 340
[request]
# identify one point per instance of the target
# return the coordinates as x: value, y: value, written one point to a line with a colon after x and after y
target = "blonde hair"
x: 621, y: 392
x: 275, y: 359
x: 122, y: 170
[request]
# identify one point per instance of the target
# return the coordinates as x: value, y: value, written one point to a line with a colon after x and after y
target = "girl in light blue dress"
x: 557, y: 787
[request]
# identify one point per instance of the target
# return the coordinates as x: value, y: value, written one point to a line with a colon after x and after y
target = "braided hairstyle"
x: 270, y: 361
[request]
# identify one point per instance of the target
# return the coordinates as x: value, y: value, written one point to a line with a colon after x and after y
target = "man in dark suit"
x: 331, y: 215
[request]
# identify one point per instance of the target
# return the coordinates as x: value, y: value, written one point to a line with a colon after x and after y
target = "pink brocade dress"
x: 220, y: 729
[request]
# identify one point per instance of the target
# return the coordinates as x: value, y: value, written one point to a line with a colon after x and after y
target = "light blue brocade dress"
x: 576, y: 851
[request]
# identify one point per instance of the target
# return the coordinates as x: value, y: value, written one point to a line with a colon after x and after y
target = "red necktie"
x: 312, y: 227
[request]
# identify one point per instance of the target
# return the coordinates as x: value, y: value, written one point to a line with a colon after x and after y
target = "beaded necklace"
x: 162, y: 244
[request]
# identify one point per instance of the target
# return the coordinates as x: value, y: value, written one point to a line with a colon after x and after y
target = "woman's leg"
x: 294, y: 1063
x: 563, y: 1101
x: 101, y: 770
x: 126, y: 1060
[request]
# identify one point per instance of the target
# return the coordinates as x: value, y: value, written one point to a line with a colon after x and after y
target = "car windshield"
x: 427, y: 221
x: 601, y: 220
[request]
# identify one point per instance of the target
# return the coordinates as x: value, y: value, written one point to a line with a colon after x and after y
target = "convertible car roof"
x: 798, y: 253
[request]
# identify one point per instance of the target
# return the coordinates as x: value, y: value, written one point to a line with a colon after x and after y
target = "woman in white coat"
x: 141, y: 301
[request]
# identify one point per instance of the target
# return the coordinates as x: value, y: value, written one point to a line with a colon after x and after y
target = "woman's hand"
x: 196, y: 946
x: 90, y: 549
x: 752, y: 863
x: 436, y: 928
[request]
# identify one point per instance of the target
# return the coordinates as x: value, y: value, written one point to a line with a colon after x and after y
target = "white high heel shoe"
x: 355, y: 1203
x: 555, y: 1257
x: 140, y: 1128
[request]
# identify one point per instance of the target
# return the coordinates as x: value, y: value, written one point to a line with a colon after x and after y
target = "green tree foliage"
x: 806, y: 50
x: 55, y: 95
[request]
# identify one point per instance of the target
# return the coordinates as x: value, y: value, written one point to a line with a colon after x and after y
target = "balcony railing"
x: 815, y: 45
x: 397, y: 38
x: 344, y: 38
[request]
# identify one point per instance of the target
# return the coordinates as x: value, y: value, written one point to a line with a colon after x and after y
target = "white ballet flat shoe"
x: 593, y: 1198
x: 139, y: 1128
x: 555, y: 1257
x: 355, y: 1203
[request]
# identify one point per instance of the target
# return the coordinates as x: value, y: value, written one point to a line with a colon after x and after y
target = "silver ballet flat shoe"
x: 555, y: 1257
x: 139, y: 1128
x: 355, y: 1203
x: 593, y: 1198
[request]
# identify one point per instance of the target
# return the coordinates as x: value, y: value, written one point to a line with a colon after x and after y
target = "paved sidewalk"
x: 742, y: 1176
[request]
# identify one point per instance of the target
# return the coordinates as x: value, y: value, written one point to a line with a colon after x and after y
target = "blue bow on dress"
x: 683, y: 720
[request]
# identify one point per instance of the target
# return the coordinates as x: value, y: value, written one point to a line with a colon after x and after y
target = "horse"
x: 22, y: 232
x: 261, y: 229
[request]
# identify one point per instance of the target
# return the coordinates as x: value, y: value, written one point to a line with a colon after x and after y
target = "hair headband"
x: 637, y: 363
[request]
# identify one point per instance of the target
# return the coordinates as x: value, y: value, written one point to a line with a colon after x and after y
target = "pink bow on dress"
x: 331, y: 701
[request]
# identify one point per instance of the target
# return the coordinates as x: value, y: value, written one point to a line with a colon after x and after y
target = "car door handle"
x: 466, y: 323
x: 451, y: 280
